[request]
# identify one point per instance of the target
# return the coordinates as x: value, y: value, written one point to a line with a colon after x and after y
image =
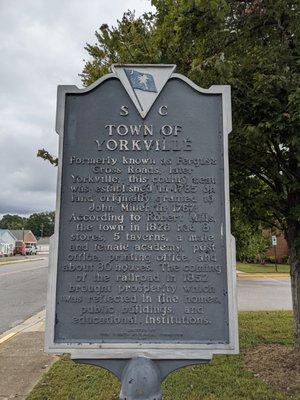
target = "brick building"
x: 25, y: 236
x: 282, y: 250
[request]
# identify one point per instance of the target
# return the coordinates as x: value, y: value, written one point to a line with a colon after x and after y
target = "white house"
x: 43, y: 245
x: 7, y: 242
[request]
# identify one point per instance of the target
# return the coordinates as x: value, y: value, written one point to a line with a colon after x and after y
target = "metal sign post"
x: 274, y: 243
x: 142, y: 271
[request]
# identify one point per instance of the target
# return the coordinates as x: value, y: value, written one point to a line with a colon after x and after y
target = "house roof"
x: 2, y: 231
x: 18, y: 233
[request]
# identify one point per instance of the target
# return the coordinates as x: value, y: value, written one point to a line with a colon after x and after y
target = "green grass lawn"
x: 223, y: 379
x: 262, y: 268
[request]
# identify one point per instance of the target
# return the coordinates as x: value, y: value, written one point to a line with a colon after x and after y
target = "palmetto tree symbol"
x: 143, y: 79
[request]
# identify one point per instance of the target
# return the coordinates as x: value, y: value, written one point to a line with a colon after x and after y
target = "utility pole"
x: 42, y: 230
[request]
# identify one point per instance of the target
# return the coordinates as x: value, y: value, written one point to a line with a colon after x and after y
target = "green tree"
x: 251, y: 245
x: 248, y: 217
x: 252, y: 45
x: 41, y: 224
x: 9, y: 221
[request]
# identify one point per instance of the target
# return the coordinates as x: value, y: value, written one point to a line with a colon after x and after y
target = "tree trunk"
x: 293, y: 239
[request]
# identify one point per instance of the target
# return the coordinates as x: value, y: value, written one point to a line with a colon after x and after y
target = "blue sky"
x: 42, y: 46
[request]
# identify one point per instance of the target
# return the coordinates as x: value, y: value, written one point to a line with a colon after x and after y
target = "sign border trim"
x: 155, y: 350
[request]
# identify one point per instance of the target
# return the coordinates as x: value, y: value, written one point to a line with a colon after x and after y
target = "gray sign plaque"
x: 142, y: 260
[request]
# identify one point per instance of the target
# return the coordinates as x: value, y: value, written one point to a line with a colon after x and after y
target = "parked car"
x: 21, y: 249
x: 30, y: 249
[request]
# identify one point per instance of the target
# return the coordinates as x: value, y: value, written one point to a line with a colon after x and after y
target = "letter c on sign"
x: 163, y: 110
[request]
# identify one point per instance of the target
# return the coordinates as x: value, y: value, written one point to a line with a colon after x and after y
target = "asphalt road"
x: 23, y: 292
x: 267, y: 294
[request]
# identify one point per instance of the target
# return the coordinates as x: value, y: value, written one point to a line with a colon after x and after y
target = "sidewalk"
x: 22, y: 358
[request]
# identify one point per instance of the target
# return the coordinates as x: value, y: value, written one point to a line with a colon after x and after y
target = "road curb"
x: 23, y: 360
x: 22, y: 261
x: 262, y: 275
x: 28, y: 325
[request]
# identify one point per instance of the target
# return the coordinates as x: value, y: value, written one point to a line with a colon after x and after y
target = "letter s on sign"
x: 124, y: 111
x: 116, y: 236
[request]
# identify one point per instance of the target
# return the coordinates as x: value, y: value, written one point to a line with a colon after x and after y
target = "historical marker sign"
x: 142, y: 260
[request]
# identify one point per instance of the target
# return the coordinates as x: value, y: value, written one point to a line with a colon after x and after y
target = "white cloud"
x: 42, y: 45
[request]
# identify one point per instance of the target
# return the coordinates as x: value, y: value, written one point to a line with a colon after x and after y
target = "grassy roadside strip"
x: 223, y: 379
x: 267, y: 268
x: 8, y: 261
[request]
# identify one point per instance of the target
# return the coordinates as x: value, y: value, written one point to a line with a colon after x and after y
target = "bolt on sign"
x: 142, y: 260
